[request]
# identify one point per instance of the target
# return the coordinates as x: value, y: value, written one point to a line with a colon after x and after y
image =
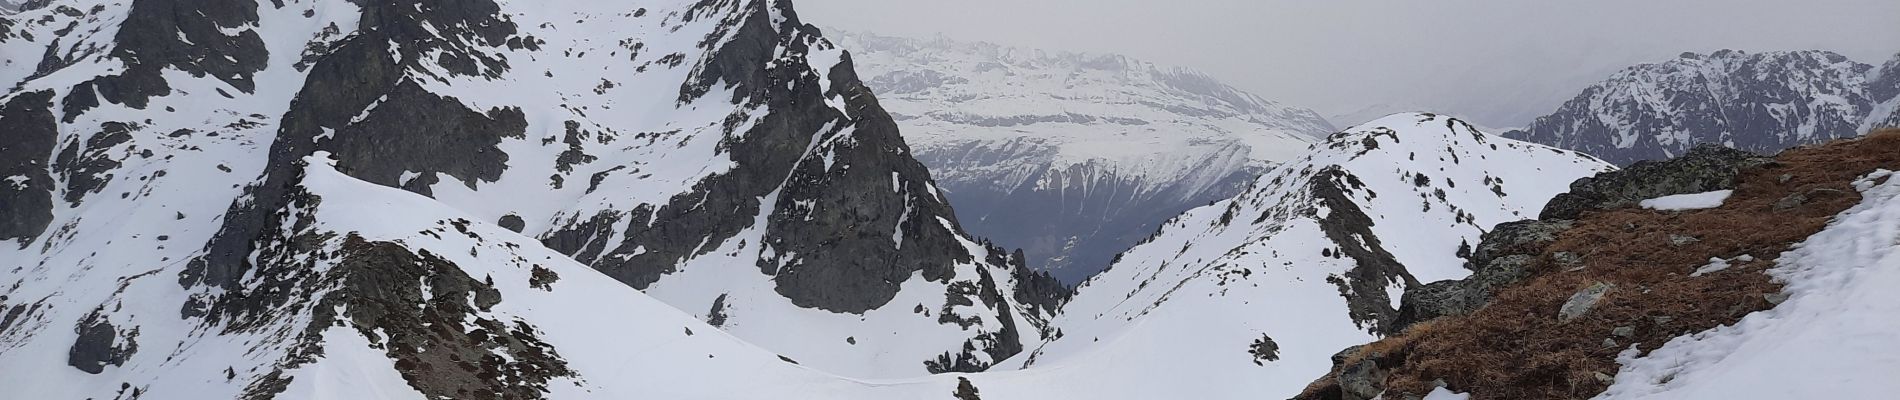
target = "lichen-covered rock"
x: 1363, y: 380
x: 1500, y: 259
x: 1584, y: 300
x: 1705, y: 168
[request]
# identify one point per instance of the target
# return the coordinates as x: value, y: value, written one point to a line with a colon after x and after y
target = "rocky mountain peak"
x: 1753, y: 101
x: 722, y: 156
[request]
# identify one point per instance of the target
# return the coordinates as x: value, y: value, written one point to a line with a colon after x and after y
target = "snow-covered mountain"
x: 1074, y: 157
x: 1760, y: 102
x: 1258, y: 291
x: 193, y: 204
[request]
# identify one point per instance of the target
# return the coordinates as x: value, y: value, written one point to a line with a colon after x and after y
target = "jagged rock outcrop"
x: 1705, y: 168
x: 1757, y: 102
x: 1505, y: 255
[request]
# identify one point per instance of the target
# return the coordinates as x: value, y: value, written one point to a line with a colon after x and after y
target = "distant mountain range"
x: 1760, y: 102
x: 1073, y: 157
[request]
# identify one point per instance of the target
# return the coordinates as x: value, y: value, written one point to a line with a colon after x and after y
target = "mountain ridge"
x: 721, y: 155
x: 1761, y: 102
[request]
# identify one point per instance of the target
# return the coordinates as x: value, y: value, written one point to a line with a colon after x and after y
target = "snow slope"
x: 1074, y: 157
x: 1835, y: 328
x: 1760, y: 102
x: 332, y: 335
x: 1249, y: 297
x: 720, y: 155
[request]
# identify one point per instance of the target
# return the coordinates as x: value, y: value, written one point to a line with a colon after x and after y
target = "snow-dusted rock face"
x: 718, y: 154
x: 1760, y: 102
x: 1258, y: 291
x: 1074, y: 157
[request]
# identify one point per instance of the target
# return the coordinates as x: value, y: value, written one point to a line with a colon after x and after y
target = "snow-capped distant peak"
x: 1073, y: 156
x: 1760, y: 102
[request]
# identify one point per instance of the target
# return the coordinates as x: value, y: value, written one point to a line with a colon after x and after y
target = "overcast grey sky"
x: 1501, y: 61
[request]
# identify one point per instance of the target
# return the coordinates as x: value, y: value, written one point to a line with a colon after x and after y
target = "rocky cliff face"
x: 1761, y: 102
x: 1074, y: 157
x: 721, y: 155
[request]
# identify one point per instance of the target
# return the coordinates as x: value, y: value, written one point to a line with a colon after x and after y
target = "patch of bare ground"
x: 1516, y: 346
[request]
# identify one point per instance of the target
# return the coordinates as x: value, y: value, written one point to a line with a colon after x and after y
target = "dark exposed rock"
x: 860, y: 274
x: 434, y: 349
x: 88, y: 169
x: 188, y: 36
x: 831, y: 232
x: 354, y: 74
x: 1038, y: 289
x: 542, y: 278
x: 1363, y: 380
x: 1433, y: 300
x: 573, y: 155
x: 414, y: 131
x: 966, y: 390
x: 83, y: 97
x: 585, y: 240
x: 1704, y: 169
x: 717, y: 316
x: 512, y: 222
x: 101, y: 344
x: 1374, y: 268
x: 1500, y: 259
x: 720, y: 206
x: 999, y: 344
x: 1264, y: 350
x: 28, y: 134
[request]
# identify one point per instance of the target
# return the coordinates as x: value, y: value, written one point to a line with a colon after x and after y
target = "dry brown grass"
x: 1515, y: 347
